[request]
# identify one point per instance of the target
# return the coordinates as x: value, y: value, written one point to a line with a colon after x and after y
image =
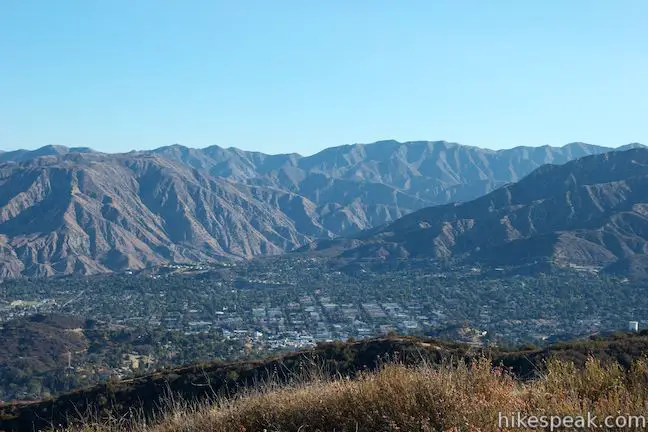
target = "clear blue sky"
x: 283, y: 76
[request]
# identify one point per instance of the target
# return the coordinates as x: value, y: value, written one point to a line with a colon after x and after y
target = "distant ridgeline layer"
x: 73, y: 210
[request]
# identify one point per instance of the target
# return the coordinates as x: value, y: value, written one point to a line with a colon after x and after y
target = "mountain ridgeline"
x: 74, y: 210
x: 591, y: 212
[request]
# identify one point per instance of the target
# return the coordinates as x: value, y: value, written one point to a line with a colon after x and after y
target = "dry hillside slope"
x: 94, y: 213
x: 588, y: 212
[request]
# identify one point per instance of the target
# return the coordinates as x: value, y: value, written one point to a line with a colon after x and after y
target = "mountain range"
x: 590, y: 212
x: 74, y: 210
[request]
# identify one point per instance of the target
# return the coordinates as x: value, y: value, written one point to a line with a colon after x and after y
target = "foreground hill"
x: 73, y: 210
x: 38, y: 343
x: 588, y: 212
x: 198, y: 382
x: 420, y: 398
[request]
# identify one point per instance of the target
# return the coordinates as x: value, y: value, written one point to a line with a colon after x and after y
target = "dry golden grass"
x: 422, y: 398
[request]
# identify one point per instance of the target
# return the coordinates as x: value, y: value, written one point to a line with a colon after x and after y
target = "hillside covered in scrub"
x: 450, y: 397
x: 352, y: 366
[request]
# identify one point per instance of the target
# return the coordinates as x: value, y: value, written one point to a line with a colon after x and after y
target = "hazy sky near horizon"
x: 299, y: 76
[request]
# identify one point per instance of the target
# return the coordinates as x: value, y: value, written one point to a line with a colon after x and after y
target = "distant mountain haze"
x: 74, y: 210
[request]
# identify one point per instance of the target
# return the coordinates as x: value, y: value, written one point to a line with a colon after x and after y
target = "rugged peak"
x: 227, y: 202
x: 589, y: 212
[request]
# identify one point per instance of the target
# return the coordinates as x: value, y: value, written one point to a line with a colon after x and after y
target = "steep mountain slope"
x: 359, y: 186
x: 87, y: 213
x: 363, y: 185
x: 588, y: 212
x: 78, y: 211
